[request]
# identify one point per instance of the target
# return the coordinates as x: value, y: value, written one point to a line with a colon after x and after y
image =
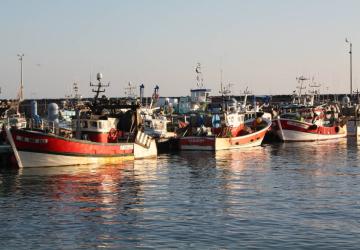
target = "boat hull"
x: 293, y: 131
x: 38, y: 149
x: 33, y: 159
x: 212, y: 143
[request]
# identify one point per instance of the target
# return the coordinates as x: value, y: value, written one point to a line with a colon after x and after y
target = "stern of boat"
x: 144, y: 146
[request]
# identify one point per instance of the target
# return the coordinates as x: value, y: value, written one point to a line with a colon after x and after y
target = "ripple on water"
x: 295, y: 195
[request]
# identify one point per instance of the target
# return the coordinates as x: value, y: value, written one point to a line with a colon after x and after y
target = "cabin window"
x: 100, y: 125
x: 94, y: 124
x: 84, y: 124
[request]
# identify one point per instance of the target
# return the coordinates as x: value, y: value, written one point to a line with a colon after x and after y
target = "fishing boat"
x: 303, y: 120
x: 211, y: 142
x: 221, y: 135
x: 38, y: 148
x: 225, y: 124
x: 223, y: 127
x: 97, y: 136
x: 310, y: 124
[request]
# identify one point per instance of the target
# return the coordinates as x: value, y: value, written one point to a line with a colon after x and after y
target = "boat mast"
x: 224, y: 89
x: 316, y: 90
x: 100, y: 87
x: 246, y: 93
x: 130, y: 91
x: 301, y: 80
x: 221, y: 81
x: 199, y: 76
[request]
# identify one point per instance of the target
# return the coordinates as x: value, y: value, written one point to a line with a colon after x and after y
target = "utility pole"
x: 350, y: 53
x: 21, y: 94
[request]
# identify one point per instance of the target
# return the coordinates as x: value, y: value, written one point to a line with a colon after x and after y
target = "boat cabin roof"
x: 96, y: 125
x: 200, y: 90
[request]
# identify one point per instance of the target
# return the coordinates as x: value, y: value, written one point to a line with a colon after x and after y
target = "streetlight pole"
x: 21, y: 94
x: 350, y: 53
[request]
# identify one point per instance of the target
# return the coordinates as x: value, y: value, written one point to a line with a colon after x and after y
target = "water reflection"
x: 264, y: 197
x: 78, y: 199
x: 9, y: 180
x: 239, y: 160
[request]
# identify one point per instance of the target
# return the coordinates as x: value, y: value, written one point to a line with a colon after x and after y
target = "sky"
x: 259, y: 45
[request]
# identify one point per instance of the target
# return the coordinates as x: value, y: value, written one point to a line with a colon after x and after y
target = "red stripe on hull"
x: 247, y: 139
x: 308, y: 127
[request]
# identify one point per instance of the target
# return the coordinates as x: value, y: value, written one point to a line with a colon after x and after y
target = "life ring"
x: 112, y: 135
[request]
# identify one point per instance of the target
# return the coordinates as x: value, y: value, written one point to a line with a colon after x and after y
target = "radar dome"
x: 53, y: 112
x: 346, y: 100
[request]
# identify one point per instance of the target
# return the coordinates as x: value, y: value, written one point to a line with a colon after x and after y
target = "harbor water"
x: 293, y: 195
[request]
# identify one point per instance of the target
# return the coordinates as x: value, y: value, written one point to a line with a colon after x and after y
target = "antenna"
x: 298, y: 98
x: 301, y: 80
x: 246, y: 93
x: 315, y: 86
x: 199, y: 76
x: 76, y: 91
x: 316, y: 89
x: 100, y: 87
x: 130, y: 90
x: 226, y: 89
x: 221, y: 80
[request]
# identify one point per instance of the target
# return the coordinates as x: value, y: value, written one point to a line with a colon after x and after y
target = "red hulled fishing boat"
x: 310, y: 124
x: 223, y: 128
x: 107, y: 133
x: 302, y: 120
